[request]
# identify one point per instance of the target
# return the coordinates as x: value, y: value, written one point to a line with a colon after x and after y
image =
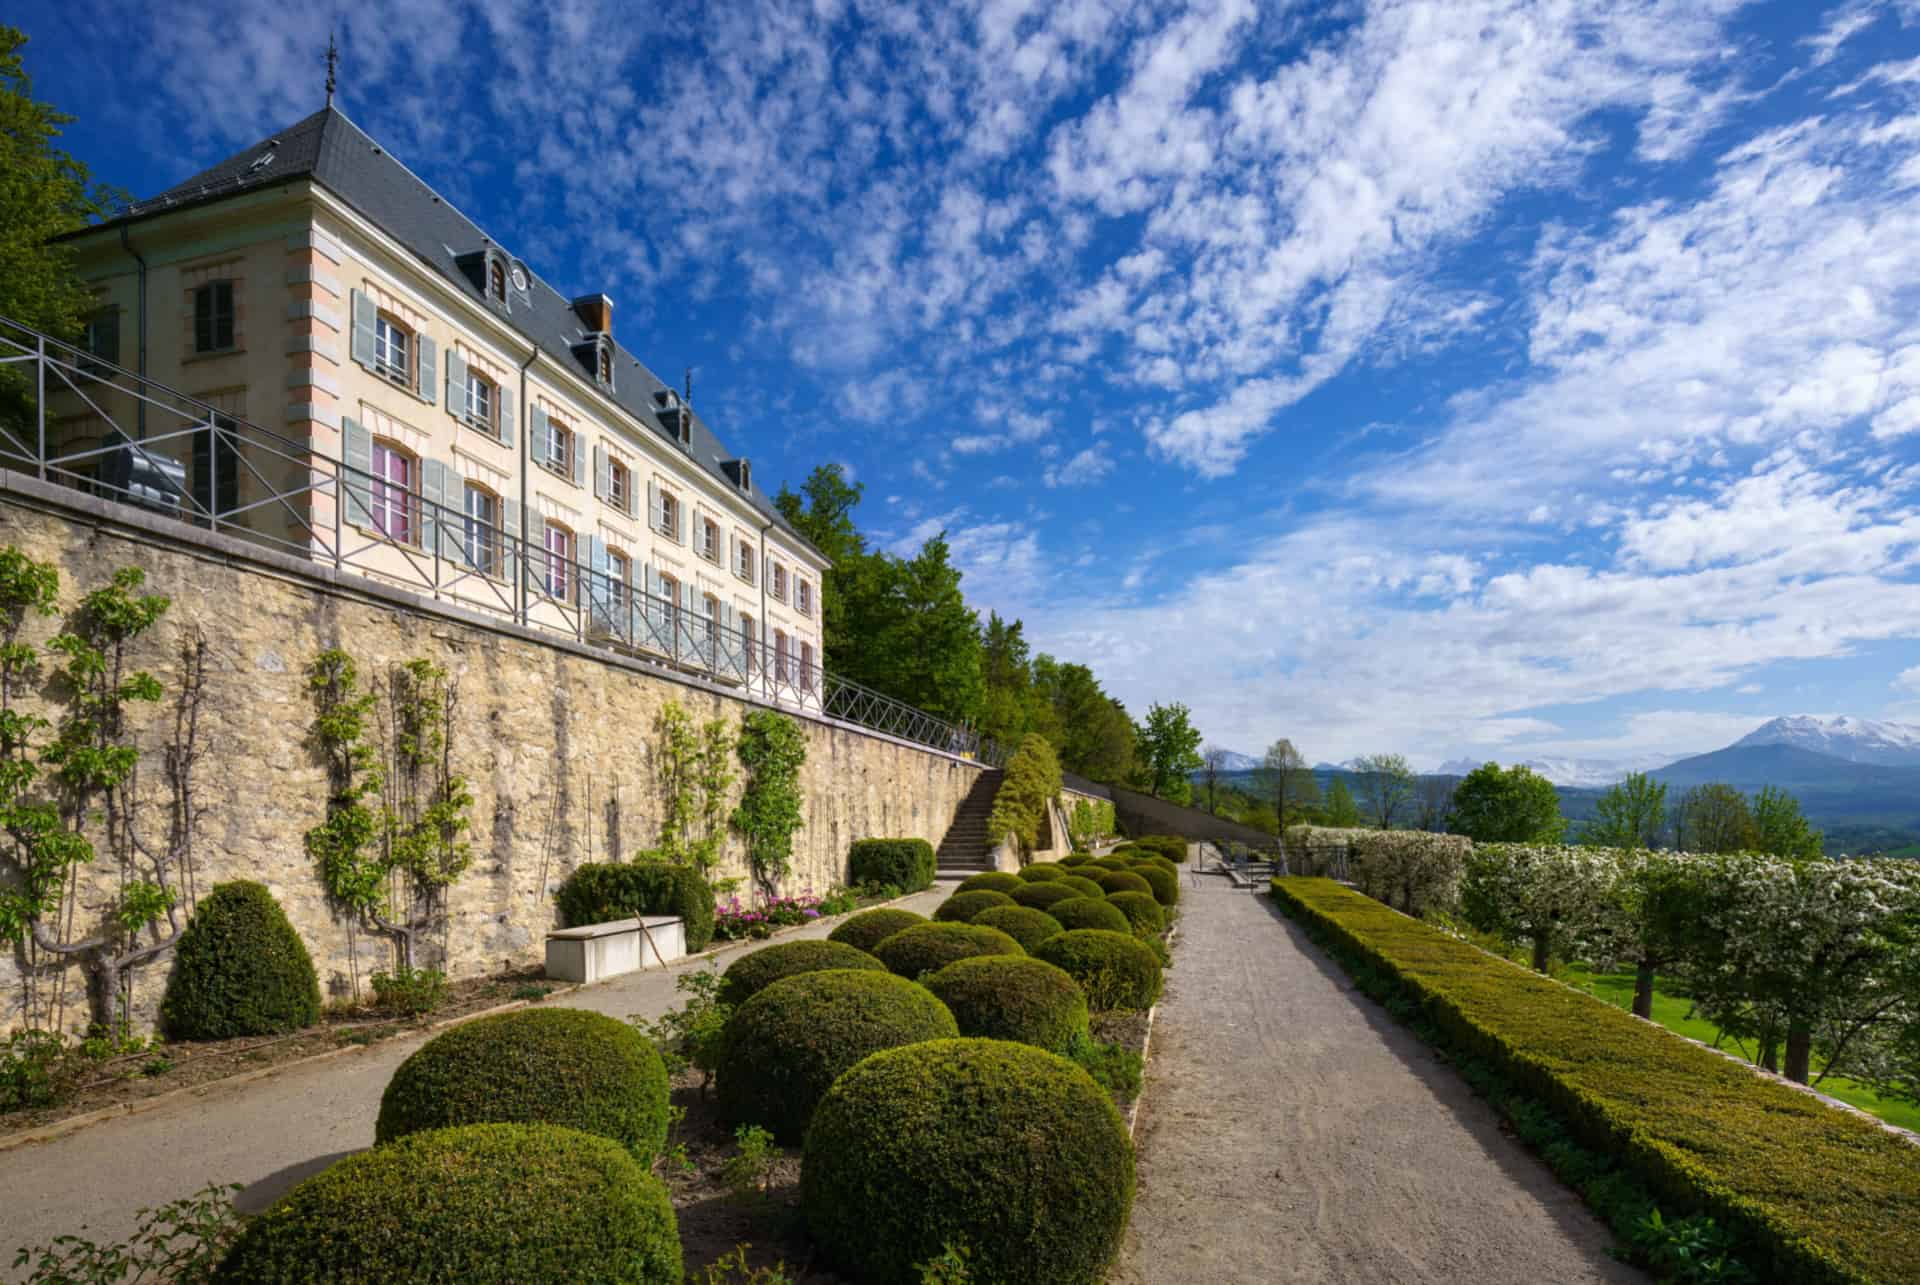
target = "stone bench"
x: 595, y: 952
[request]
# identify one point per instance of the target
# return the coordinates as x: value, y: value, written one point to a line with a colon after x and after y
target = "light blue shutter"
x: 363, y: 319
x: 509, y: 540
x: 506, y: 416
x: 429, y: 376
x: 656, y: 517
x: 359, y: 466
x: 457, y: 385
x: 680, y: 522
x: 537, y: 434
x: 599, y: 588
x: 579, y: 463
x: 433, y: 493
x: 453, y: 524
x: 602, y: 472
x: 534, y: 523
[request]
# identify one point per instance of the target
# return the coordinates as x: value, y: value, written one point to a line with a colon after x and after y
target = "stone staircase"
x: 966, y: 849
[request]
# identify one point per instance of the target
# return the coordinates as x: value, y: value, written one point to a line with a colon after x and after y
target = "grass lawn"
x: 1672, y: 1012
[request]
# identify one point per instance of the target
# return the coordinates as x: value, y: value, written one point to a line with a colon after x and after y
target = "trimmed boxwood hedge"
x: 600, y: 892
x: 931, y: 947
x: 563, y: 1066
x: 1116, y: 969
x: 1003, y: 997
x: 1076, y: 859
x: 1004, y: 1148
x: 1116, y: 864
x: 907, y: 864
x: 239, y: 969
x: 1083, y: 885
x: 1123, y: 881
x: 1811, y: 1193
x: 869, y: 928
x: 487, y: 1204
x: 989, y: 881
x: 1142, y: 911
x: 1039, y: 896
x: 751, y: 974
x: 1088, y: 912
x: 1040, y: 872
x: 1170, y: 846
x: 783, y: 1049
x: 961, y: 907
x: 1161, y: 880
x: 1024, y: 924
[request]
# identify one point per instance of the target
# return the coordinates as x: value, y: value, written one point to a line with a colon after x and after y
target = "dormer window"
x: 595, y: 355
x: 497, y: 280
x: 606, y: 366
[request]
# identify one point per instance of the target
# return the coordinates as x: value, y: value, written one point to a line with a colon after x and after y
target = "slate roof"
x: 338, y: 154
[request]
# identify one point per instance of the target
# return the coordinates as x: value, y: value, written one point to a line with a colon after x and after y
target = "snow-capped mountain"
x: 1582, y: 773
x: 1858, y: 740
x: 1236, y: 762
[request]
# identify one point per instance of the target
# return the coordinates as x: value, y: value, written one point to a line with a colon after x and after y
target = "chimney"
x: 595, y: 312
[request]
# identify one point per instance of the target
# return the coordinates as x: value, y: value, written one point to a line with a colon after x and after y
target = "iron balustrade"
x: 188, y: 459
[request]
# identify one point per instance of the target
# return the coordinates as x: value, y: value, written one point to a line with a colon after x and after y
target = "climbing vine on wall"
x: 693, y: 767
x: 772, y: 749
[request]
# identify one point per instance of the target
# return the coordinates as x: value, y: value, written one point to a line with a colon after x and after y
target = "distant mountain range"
x: 1857, y: 740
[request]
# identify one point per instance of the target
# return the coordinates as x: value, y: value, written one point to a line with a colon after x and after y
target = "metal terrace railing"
x: 77, y: 420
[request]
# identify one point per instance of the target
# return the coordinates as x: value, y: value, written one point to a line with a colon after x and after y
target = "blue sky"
x: 1444, y: 376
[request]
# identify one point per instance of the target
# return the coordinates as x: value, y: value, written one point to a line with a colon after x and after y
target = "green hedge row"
x: 907, y: 864
x: 601, y: 892
x: 1815, y: 1195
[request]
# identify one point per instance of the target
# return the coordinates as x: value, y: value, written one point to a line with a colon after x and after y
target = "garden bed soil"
x: 132, y: 1078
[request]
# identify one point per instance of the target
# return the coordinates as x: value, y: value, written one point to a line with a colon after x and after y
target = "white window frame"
x: 708, y: 544
x: 480, y: 538
x: 560, y: 446
x: 669, y: 513
x: 393, y: 338
x: 746, y: 560
x: 560, y: 561
x: 481, y: 388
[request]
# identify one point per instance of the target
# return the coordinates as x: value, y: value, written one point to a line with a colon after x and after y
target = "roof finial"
x: 689, y: 394
x: 333, y: 63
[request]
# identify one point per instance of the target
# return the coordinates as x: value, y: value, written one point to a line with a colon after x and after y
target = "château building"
x: 372, y: 380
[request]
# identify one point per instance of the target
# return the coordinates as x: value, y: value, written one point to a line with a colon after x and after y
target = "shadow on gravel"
x: 257, y: 1196
x: 1475, y: 1114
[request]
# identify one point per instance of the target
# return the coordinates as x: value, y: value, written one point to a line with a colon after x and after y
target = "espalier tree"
x: 54, y: 791
x: 394, y: 841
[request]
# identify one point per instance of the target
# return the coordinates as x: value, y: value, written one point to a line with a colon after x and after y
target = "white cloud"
x: 1084, y: 469
x: 1908, y: 680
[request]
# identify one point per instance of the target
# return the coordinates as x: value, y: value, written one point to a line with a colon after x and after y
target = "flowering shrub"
x: 733, y: 921
x: 1412, y: 870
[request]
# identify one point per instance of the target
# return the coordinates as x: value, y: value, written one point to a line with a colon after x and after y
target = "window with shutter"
x: 481, y: 538
x: 392, y: 350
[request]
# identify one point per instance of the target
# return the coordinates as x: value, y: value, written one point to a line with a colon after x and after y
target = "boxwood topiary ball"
x: 1083, y: 885
x: 787, y: 1045
x: 486, y: 1204
x: 751, y: 974
x: 1024, y: 924
x: 869, y: 928
x: 563, y: 1066
x: 1041, y: 895
x: 1003, y: 997
x: 961, y: 907
x: 239, y: 969
x: 931, y: 947
x: 1115, y: 969
x: 989, y: 881
x: 1076, y: 859
x: 1111, y: 863
x: 1007, y: 1149
x: 1089, y: 912
x: 1162, y: 879
x: 1123, y: 881
x: 1041, y: 872
x: 1143, y: 913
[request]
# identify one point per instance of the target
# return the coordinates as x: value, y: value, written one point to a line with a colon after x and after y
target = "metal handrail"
x: 433, y: 547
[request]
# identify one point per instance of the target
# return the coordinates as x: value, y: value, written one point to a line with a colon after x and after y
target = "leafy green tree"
x: 1781, y: 828
x: 1090, y: 729
x: 823, y: 513
x: 1342, y: 812
x: 1167, y: 747
x: 1631, y: 814
x: 1386, y: 786
x: 1512, y: 805
x: 1714, y: 818
x: 43, y: 193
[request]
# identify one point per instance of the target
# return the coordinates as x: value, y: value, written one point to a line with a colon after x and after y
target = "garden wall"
x: 1144, y: 814
x: 555, y: 738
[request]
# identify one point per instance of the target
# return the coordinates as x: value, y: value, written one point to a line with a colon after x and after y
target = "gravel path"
x: 1293, y: 1132
x: 268, y: 1134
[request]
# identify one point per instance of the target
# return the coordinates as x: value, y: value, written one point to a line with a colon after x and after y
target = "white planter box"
x: 595, y: 952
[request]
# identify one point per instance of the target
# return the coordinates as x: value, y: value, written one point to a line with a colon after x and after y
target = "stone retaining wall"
x: 555, y: 738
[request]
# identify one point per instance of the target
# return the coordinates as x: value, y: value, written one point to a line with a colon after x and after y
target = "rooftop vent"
x: 260, y: 162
